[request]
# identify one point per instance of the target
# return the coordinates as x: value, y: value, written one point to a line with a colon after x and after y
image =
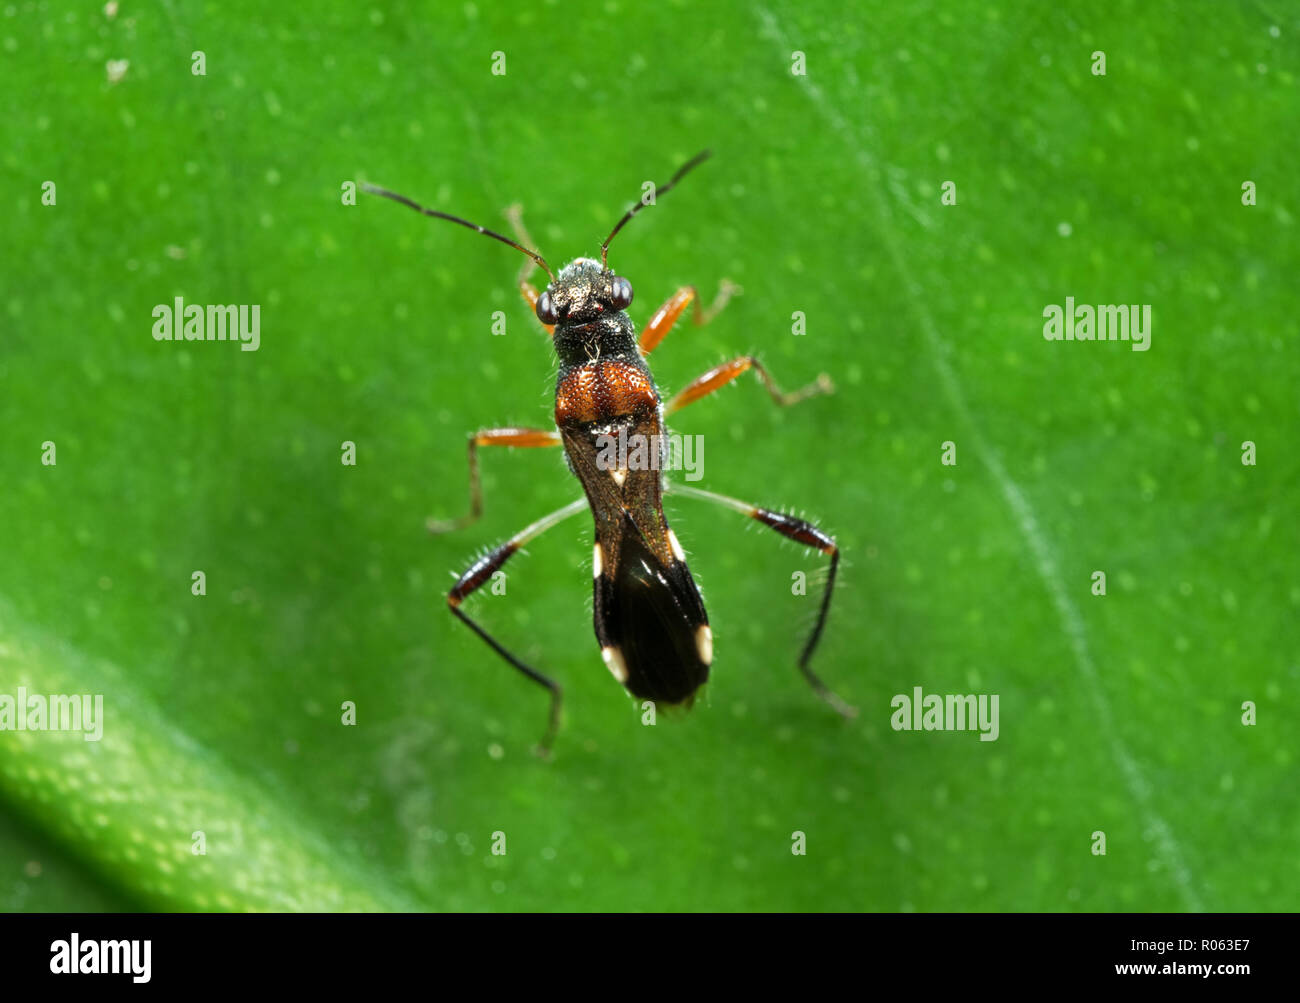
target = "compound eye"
x: 546, y: 309
x: 620, y: 293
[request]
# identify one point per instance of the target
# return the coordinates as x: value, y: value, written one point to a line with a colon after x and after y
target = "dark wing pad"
x: 652, y: 614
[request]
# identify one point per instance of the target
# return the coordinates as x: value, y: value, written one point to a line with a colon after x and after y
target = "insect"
x: 650, y: 622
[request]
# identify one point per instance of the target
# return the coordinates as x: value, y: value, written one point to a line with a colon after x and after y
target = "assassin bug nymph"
x: 651, y: 626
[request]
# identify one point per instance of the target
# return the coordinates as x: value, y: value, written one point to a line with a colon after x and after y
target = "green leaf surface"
x: 223, y: 713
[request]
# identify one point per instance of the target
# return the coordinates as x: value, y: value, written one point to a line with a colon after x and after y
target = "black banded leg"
x: 524, y: 438
x: 809, y: 535
x: 480, y: 572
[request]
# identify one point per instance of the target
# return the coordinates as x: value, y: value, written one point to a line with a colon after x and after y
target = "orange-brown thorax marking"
x: 602, y: 390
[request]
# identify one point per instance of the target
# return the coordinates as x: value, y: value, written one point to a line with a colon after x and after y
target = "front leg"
x: 515, y: 214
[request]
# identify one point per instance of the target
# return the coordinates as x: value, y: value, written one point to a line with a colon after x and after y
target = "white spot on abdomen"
x: 614, y: 662
x: 704, y: 643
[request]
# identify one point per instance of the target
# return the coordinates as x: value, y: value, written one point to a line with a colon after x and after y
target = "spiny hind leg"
x: 481, y: 572
x: 809, y: 535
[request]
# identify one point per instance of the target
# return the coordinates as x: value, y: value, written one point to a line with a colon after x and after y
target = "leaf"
x: 1119, y: 713
x: 143, y: 802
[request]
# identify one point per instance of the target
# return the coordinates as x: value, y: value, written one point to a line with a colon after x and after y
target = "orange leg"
x: 666, y: 316
x: 530, y: 297
x: 525, y: 438
x: 720, y: 376
x: 515, y: 214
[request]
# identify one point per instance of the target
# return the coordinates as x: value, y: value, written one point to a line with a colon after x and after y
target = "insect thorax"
x: 608, y: 336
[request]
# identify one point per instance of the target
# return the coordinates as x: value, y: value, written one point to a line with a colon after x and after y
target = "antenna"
x: 694, y: 162
x: 385, y: 193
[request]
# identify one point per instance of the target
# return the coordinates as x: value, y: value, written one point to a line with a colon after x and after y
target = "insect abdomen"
x: 651, y: 624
